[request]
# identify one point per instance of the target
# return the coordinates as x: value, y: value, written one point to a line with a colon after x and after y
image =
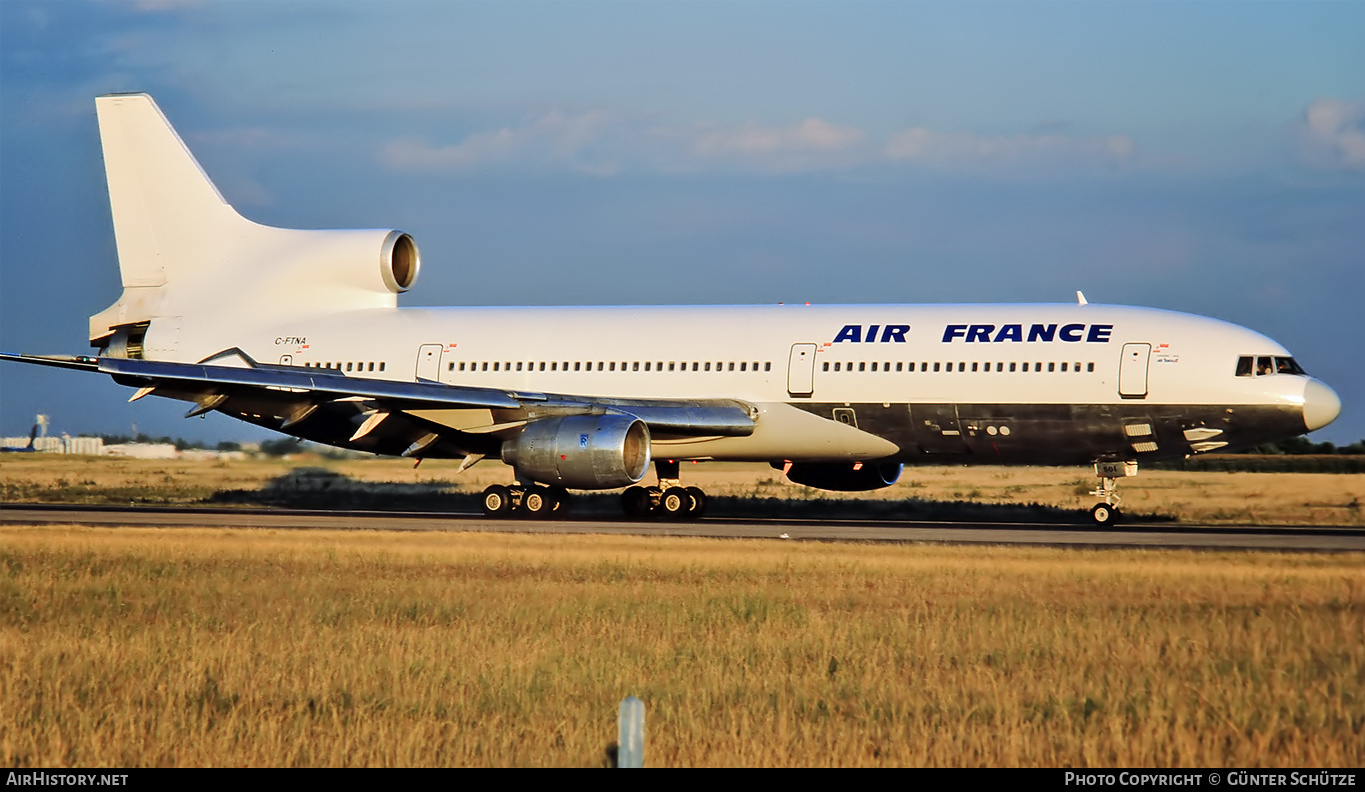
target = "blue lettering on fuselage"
x: 890, y: 333
x: 989, y: 333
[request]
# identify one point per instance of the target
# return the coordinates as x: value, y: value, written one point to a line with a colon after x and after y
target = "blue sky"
x: 1205, y: 157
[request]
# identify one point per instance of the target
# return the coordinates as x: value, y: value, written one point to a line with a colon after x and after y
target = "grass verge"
x: 223, y: 647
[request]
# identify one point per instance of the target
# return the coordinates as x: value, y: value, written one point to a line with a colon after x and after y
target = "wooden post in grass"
x: 630, y: 733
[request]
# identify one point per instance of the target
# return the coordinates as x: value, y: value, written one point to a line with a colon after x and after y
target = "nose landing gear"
x: 1109, y: 472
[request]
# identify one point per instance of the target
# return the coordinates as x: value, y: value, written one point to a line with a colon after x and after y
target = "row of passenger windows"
x: 1265, y: 365
x: 962, y: 366
x: 348, y: 366
x: 608, y: 365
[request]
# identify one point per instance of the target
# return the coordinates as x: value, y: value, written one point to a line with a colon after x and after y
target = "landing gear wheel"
x: 537, y: 503
x: 698, y: 507
x: 674, y: 502
x: 636, y: 503
x: 1104, y: 514
x: 497, y: 501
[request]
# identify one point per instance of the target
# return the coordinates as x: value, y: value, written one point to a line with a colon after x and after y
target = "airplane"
x: 300, y: 331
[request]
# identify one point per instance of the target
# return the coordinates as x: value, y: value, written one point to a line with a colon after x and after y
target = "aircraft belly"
x: 1058, y: 434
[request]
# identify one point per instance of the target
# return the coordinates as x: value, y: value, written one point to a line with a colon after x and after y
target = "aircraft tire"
x: 674, y: 502
x: 635, y: 502
x: 537, y: 503
x: 698, y: 507
x: 1104, y: 514
x: 497, y: 501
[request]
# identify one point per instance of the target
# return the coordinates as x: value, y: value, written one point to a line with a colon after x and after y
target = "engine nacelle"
x: 581, y: 451
x: 842, y: 477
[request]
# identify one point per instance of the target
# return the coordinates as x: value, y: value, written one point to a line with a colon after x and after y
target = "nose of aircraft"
x: 1321, y: 405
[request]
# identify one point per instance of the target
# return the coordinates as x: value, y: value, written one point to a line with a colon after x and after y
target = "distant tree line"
x: 1302, y: 445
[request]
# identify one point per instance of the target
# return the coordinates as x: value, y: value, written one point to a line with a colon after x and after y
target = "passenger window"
x: 1013, y: 366
x: 826, y: 366
x: 974, y: 366
x: 742, y: 366
x: 1051, y: 367
x: 936, y: 367
x: 732, y: 366
x: 962, y: 366
x: 863, y: 366
x: 1264, y: 367
x: 1089, y: 367
x: 900, y: 366
x: 768, y: 366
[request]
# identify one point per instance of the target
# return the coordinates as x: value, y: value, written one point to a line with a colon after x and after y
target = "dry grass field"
x: 977, y: 492
x: 132, y: 647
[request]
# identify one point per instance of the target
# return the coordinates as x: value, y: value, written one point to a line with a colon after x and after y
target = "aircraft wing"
x: 292, y: 393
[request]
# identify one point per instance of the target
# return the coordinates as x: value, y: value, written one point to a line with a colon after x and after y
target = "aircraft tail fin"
x: 188, y: 259
x: 163, y: 203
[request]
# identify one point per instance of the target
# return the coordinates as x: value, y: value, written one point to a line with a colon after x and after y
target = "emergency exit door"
x: 1133, y: 371
x: 429, y: 362
x: 801, y: 370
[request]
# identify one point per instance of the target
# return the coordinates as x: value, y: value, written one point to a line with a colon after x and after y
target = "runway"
x: 1140, y: 535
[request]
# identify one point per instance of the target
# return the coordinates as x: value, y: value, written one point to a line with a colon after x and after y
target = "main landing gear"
x: 670, y: 500
x: 1109, y: 473
x: 530, y: 501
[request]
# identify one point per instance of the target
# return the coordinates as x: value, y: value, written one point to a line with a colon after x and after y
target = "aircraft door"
x: 429, y: 362
x: 801, y: 370
x: 1133, y: 371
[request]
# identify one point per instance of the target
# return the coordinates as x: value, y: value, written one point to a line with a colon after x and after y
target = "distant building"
x: 56, y: 445
x: 143, y: 450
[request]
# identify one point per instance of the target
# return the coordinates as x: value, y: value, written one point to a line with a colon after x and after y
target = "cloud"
x: 554, y: 138
x: 600, y: 143
x: 930, y: 147
x: 812, y: 144
x: 1332, y: 134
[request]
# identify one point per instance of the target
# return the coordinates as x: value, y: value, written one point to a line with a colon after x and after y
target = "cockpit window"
x: 1265, y: 365
x: 1284, y: 365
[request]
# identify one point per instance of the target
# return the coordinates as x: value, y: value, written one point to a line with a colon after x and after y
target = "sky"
x: 1206, y: 157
